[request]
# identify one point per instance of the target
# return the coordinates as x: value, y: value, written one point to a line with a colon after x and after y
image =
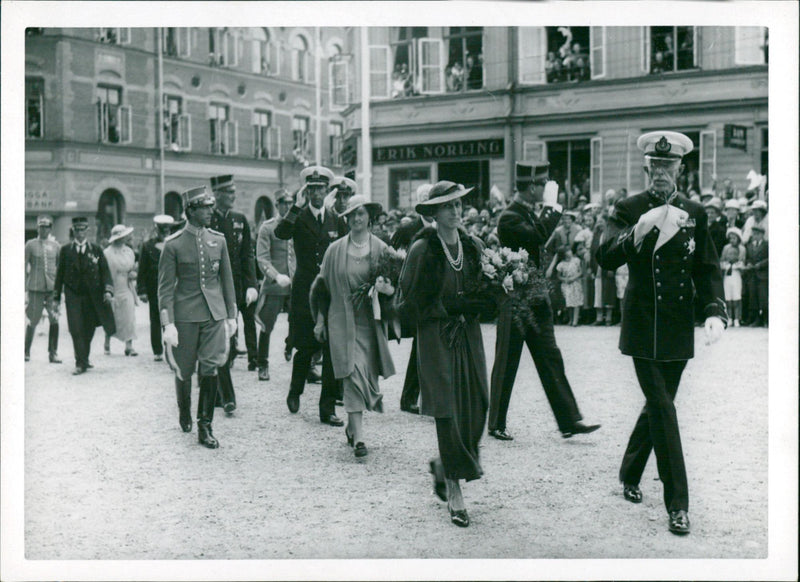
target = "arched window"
x: 264, y: 210
x: 173, y: 205
x: 301, y: 59
x: 110, y: 211
x: 264, y: 60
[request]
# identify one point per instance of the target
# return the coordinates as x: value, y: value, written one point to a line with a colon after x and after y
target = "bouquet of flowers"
x: 387, y: 266
x: 514, y: 278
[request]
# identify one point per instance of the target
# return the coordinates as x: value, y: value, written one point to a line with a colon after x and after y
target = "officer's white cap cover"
x: 316, y: 175
x: 669, y: 145
x: 161, y: 219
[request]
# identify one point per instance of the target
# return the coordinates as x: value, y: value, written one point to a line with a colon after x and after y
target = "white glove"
x: 646, y: 222
x: 230, y: 328
x: 170, y: 335
x: 283, y: 280
x: 320, y: 332
x: 384, y: 286
x: 550, y: 196
x: 330, y: 199
x: 301, y: 200
x: 250, y: 295
x: 713, y: 329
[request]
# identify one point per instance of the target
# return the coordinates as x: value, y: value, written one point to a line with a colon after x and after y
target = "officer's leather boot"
x: 28, y: 341
x: 52, y: 344
x: 227, y: 397
x: 205, y: 411
x: 183, y: 392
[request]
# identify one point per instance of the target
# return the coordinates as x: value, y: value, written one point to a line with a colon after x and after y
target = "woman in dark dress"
x: 442, y: 263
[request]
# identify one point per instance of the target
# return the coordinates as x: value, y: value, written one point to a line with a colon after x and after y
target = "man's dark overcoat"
x: 85, y: 275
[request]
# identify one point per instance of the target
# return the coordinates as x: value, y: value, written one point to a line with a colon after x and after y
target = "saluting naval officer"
x: 520, y: 227
x: 312, y: 229
x: 198, y: 309
x: 234, y: 226
x: 664, y: 239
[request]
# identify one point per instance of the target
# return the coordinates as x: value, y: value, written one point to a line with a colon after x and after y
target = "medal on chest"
x: 690, y: 245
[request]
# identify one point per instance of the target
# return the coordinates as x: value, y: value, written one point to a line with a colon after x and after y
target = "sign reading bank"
x: 438, y: 151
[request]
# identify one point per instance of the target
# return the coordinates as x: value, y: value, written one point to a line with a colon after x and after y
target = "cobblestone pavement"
x: 110, y: 475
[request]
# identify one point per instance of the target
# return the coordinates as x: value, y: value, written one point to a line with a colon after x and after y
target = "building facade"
x: 119, y: 121
x: 466, y: 103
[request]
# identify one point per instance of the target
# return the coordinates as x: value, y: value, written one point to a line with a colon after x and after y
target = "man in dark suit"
x: 197, y: 299
x: 312, y: 229
x: 664, y: 239
x: 402, y: 240
x: 520, y: 228
x: 234, y: 227
x: 717, y: 224
x: 83, y: 275
x: 147, y: 282
x: 756, y: 272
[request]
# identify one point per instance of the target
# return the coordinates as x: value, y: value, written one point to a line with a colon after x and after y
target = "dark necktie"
x: 319, y: 218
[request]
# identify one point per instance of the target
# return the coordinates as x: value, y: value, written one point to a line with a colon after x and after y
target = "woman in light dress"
x: 122, y: 264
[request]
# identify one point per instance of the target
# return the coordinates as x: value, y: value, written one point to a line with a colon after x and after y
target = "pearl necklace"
x: 358, y: 245
x: 458, y: 263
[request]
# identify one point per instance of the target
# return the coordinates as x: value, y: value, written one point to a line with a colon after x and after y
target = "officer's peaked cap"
x: 343, y: 184
x: 316, y: 176
x: 665, y: 145
x: 197, y: 197
x: 44, y: 220
x: 528, y: 172
x: 218, y: 182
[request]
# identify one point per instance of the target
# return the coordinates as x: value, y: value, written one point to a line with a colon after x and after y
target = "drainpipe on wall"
x: 160, y: 130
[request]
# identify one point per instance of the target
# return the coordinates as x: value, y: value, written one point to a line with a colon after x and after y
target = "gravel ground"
x: 109, y: 475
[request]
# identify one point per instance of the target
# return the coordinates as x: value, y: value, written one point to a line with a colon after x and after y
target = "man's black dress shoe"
x: 229, y: 407
x: 579, y: 428
x: 251, y: 366
x: 53, y: 359
x: 293, y: 402
x: 501, y: 434
x: 439, y: 486
x: 458, y: 516
x: 632, y: 493
x: 411, y: 409
x: 332, y: 420
x: 79, y: 370
x: 360, y: 450
x: 263, y: 373
x: 679, y: 522
x: 287, y: 354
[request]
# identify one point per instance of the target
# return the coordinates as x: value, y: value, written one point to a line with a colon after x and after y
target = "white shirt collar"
x: 318, y: 212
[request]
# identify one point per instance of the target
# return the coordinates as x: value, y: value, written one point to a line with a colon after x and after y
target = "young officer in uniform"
x: 276, y: 260
x: 198, y: 309
x: 520, y: 228
x: 147, y: 282
x: 234, y: 226
x: 663, y: 237
x: 41, y: 257
x: 312, y: 228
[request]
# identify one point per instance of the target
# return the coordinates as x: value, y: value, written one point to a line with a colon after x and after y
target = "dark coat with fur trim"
x: 429, y: 294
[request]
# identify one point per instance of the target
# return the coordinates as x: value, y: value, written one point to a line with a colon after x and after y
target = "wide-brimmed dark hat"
x: 527, y: 172
x: 197, y: 197
x: 219, y: 182
x: 358, y: 201
x: 441, y: 192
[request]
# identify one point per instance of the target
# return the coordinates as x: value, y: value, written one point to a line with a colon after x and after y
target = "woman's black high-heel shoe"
x: 349, y: 436
x: 460, y: 517
x: 360, y: 449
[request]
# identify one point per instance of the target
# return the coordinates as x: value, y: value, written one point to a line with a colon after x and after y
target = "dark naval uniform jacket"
x: 310, y: 239
x: 236, y: 229
x: 147, y: 281
x: 84, y: 275
x: 519, y: 228
x: 195, y: 283
x: 658, y: 312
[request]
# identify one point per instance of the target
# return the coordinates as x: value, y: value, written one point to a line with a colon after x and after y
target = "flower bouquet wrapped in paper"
x: 515, y: 279
x: 388, y: 267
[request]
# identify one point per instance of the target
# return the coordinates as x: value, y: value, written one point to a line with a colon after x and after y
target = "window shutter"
x: 309, y: 149
x: 645, y: 49
x: 232, y: 129
x: 274, y: 58
x: 534, y: 151
x: 101, y: 118
x: 597, y: 51
x: 274, y: 138
x: 431, y: 67
x: 708, y: 159
x: 124, y: 36
x: 184, y: 42
x: 310, y: 75
x: 255, y: 56
x: 596, y: 162
x: 185, y: 132
x: 380, y: 75
x: 532, y: 52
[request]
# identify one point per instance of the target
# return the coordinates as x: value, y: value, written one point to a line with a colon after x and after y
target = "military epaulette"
x: 216, y: 232
x: 174, y: 235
